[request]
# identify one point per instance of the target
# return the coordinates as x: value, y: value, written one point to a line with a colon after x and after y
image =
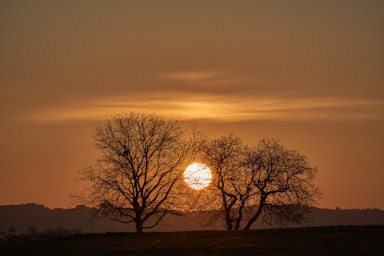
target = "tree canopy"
x: 139, y: 176
x: 143, y: 157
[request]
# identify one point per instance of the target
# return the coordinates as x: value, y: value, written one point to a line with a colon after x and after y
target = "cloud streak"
x: 194, y: 75
x: 220, y: 108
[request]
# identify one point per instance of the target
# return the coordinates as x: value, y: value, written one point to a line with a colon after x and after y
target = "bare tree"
x: 232, y: 186
x: 268, y: 181
x: 142, y: 160
x: 284, y: 181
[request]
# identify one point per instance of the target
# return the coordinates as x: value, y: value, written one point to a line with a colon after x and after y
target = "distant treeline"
x: 35, y: 221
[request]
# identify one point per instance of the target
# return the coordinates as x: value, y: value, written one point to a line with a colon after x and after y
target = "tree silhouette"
x: 268, y: 180
x: 232, y: 185
x: 143, y: 158
x: 284, y: 181
x: 136, y: 179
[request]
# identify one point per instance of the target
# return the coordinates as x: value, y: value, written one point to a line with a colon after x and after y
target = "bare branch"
x: 142, y: 156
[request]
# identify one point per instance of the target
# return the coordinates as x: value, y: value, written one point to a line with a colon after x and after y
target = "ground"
x: 337, y: 240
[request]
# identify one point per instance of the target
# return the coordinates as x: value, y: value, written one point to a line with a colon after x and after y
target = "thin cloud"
x: 193, y: 75
x: 216, y: 108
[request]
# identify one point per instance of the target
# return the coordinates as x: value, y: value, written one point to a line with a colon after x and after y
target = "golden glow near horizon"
x: 197, y: 176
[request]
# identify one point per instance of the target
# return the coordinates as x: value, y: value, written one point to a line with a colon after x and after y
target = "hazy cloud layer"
x: 223, y: 108
x: 266, y: 58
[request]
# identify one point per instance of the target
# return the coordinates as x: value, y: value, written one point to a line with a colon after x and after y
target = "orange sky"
x: 309, y: 73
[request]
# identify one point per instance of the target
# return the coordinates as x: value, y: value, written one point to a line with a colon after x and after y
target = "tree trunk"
x: 254, y: 217
x: 228, y: 218
x: 139, y: 226
x: 238, y: 219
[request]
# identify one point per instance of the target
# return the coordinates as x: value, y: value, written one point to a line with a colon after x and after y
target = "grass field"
x: 338, y: 240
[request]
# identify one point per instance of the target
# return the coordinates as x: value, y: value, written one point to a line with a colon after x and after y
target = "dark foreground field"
x: 340, y: 240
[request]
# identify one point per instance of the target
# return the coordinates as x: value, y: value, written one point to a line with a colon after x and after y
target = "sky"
x: 308, y: 73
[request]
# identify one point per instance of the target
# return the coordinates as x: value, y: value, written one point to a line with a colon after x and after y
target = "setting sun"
x: 197, y: 176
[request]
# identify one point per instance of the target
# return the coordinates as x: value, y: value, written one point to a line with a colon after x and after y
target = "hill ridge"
x: 24, y: 216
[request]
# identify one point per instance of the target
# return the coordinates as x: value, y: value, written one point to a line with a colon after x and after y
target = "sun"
x: 197, y: 176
